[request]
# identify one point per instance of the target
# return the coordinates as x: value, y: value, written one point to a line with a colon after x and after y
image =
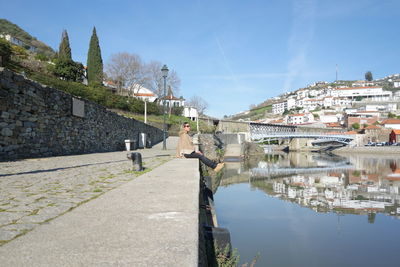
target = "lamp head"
x: 164, y: 71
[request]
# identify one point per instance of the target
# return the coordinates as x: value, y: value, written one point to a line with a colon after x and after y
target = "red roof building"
x: 394, y: 136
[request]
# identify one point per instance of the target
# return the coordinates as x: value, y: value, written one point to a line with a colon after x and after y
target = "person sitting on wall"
x: 186, y: 149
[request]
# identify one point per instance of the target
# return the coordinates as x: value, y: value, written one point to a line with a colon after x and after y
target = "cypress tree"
x: 94, y: 61
x: 368, y: 76
x: 65, y: 67
x: 64, y: 51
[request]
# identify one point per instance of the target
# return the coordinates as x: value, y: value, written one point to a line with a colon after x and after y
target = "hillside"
x: 7, y: 27
x: 253, y: 114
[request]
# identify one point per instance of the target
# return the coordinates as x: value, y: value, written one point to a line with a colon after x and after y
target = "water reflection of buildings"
x: 348, y: 191
x: 326, y: 183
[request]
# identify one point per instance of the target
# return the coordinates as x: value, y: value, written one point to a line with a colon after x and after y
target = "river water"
x: 306, y: 209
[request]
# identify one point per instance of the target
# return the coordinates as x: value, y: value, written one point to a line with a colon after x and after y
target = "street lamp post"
x: 164, y: 71
x: 145, y: 110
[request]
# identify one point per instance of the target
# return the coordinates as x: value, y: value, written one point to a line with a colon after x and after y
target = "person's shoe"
x: 219, y: 167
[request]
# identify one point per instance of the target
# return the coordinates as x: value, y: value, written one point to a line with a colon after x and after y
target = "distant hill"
x: 7, y: 27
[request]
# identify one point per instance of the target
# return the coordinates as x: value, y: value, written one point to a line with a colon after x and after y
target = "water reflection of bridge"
x: 279, y: 172
x: 234, y: 173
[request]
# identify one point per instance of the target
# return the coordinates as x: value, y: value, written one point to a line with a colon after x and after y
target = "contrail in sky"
x: 228, y: 66
x: 299, y: 40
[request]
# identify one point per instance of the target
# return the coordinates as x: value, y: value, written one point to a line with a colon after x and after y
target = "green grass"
x: 139, y: 172
x: 255, y: 114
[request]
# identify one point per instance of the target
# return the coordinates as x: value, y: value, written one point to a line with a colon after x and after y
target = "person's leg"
x: 203, y: 159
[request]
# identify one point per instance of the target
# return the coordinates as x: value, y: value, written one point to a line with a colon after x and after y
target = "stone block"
x: 6, y: 132
x: 5, y: 115
x: 29, y: 124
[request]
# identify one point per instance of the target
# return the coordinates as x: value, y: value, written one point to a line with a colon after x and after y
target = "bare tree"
x: 199, y: 103
x: 155, y: 81
x: 128, y: 71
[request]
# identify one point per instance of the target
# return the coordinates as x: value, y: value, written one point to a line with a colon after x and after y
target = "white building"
x: 302, y: 93
x: 372, y: 93
x: 384, y: 107
x: 341, y: 101
x: 300, y: 118
x: 279, y: 108
x: 312, y: 103
x: 172, y: 101
x: 328, y: 118
x: 144, y: 94
x: 362, y: 83
x: 391, y: 123
x: 290, y: 103
x: 314, y: 93
x: 191, y: 113
x: 18, y: 42
x: 328, y: 101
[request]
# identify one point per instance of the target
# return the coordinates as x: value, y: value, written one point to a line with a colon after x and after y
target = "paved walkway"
x: 37, y: 190
x: 147, y: 221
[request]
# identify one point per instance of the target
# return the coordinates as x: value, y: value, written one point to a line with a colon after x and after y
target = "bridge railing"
x: 264, y: 135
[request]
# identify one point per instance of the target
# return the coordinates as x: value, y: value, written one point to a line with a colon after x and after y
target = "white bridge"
x: 261, y: 132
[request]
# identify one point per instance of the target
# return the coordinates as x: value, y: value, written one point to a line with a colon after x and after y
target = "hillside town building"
x: 18, y: 42
x: 391, y: 123
x: 171, y: 101
x: 372, y: 93
x: 302, y: 118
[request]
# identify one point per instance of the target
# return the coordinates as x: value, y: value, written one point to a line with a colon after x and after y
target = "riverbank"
x: 369, y: 150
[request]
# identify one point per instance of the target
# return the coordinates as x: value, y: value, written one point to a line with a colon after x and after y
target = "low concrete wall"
x: 36, y: 120
x: 226, y: 126
x: 232, y: 138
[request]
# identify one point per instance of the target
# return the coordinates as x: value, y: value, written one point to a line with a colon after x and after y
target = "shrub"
x: 177, y: 111
x: 41, y: 57
x: 69, y: 70
x: 5, y: 51
x: 98, y: 94
x: 355, y: 126
x: 19, y: 51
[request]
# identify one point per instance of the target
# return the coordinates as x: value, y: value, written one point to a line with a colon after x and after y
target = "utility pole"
x: 336, y: 72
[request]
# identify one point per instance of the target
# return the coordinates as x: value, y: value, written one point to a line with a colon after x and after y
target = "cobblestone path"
x: 35, y: 191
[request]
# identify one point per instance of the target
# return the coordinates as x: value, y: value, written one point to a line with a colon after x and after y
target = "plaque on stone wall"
x: 78, y: 107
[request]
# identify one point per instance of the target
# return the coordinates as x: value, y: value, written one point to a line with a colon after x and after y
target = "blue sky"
x: 232, y: 53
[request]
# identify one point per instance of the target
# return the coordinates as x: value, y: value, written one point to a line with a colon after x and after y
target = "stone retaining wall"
x: 36, y: 121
